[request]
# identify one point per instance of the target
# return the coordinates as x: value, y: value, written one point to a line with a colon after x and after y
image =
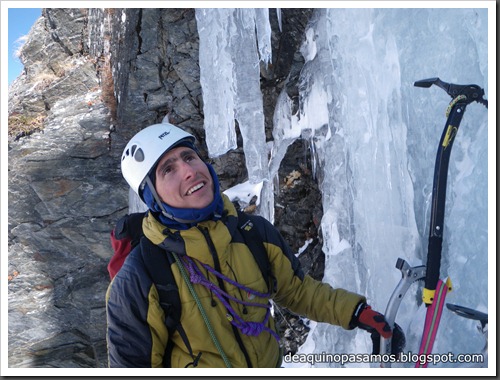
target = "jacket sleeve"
x: 301, y: 293
x: 136, y: 334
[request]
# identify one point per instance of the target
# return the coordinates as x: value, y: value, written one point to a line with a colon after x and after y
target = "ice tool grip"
x: 433, y: 268
x: 439, y: 198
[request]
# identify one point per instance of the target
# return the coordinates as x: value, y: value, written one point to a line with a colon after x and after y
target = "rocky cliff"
x: 92, y: 79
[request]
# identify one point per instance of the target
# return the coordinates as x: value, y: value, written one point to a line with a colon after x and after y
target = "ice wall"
x: 376, y: 155
x: 374, y: 138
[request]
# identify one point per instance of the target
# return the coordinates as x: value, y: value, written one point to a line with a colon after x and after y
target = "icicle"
x: 249, y: 109
x: 284, y: 131
x: 314, y: 162
x: 278, y: 15
x: 263, y: 29
x: 215, y: 28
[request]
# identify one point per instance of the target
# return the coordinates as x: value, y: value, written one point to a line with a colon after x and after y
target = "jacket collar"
x: 192, y: 241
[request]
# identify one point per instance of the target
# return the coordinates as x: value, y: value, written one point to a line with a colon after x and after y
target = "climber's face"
x: 183, y: 179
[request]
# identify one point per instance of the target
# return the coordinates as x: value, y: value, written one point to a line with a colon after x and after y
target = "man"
x: 224, y: 296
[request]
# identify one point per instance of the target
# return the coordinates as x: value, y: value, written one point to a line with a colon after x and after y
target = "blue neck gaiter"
x: 189, y: 216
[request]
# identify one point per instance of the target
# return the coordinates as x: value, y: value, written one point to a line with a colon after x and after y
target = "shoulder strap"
x: 256, y: 245
x: 130, y: 226
x: 158, y: 266
x: 158, y: 262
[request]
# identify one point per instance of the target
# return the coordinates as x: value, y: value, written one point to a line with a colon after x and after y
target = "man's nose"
x: 187, y: 170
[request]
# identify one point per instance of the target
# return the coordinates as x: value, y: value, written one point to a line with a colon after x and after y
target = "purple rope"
x: 232, y: 282
x: 247, y: 328
x: 197, y: 278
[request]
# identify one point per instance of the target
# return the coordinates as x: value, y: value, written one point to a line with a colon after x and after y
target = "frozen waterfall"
x: 374, y: 137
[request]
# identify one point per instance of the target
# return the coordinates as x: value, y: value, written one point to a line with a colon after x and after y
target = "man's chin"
x: 198, y: 204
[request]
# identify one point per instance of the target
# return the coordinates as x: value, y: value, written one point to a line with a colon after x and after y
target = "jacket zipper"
x: 217, y: 266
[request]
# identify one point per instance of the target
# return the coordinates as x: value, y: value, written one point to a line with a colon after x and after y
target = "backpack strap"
x: 130, y: 226
x: 255, y: 243
x: 158, y: 262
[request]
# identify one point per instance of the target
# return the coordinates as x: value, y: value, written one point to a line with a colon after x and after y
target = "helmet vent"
x: 139, y: 154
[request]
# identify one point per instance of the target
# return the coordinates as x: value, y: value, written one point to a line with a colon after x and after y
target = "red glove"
x: 367, y: 319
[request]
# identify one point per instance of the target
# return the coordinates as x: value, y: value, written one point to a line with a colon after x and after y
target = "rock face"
x: 92, y: 79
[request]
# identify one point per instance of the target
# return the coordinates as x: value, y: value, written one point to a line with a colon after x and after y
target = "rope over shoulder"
x: 246, y: 327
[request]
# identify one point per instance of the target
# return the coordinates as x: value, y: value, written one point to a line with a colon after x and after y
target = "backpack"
x: 128, y: 233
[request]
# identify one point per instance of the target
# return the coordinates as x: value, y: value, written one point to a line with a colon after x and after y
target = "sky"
x: 20, y: 22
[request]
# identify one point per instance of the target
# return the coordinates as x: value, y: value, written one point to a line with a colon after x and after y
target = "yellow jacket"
x: 137, y: 335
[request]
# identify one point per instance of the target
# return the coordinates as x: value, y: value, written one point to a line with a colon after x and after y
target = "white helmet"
x: 145, y: 149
